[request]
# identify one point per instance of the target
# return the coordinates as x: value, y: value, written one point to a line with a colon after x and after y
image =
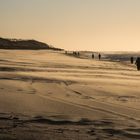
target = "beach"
x: 55, y: 96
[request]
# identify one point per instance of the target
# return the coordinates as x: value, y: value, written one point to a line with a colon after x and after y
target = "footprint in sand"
x: 91, y: 132
x: 19, y: 90
x: 126, y: 98
x: 67, y: 95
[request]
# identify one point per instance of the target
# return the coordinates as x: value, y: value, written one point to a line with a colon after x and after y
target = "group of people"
x: 76, y: 53
x: 99, y: 56
x: 137, y: 62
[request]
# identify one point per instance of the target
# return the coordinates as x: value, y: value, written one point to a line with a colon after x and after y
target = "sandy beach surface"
x: 47, y: 95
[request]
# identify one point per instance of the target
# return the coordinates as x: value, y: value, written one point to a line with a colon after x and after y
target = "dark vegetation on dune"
x: 20, y: 44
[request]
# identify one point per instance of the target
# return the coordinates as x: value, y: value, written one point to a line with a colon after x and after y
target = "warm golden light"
x: 74, y: 24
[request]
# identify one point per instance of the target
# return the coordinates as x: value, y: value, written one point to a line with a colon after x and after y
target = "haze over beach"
x: 69, y: 70
x: 101, y: 25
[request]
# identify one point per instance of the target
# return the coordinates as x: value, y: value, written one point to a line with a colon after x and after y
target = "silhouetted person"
x: 99, y: 56
x: 92, y: 56
x: 78, y: 53
x: 138, y: 63
x: 132, y: 60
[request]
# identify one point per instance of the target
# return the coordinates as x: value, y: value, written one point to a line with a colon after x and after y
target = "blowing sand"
x: 52, y: 96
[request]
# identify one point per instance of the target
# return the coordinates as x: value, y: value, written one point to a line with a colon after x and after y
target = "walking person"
x: 78, y: 54
x: 99, y: 56
x: 92, y: 56
x: 138, y: 63
x: 132, y: 60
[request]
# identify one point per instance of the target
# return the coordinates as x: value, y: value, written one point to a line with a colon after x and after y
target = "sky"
x: 94, y: 25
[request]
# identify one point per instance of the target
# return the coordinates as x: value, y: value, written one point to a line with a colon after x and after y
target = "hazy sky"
x: 74, y: 24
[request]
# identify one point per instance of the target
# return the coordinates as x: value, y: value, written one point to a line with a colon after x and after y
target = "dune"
x: 51, y: 95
